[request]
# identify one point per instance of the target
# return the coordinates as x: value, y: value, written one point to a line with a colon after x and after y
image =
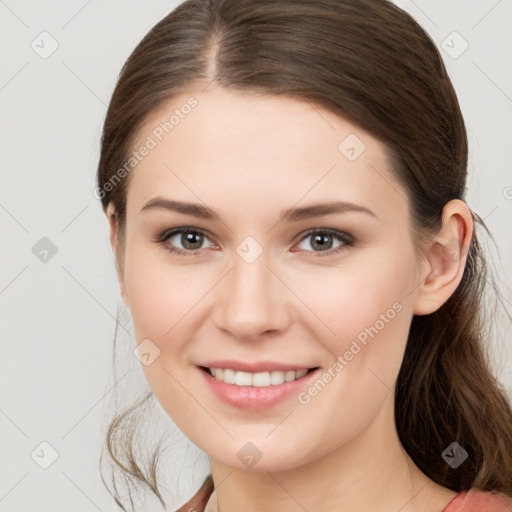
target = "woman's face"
x: 253, y: 285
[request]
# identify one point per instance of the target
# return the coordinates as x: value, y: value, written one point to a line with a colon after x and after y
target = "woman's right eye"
x: 190, y: 239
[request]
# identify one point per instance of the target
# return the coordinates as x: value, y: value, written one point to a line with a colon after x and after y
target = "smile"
x: 260, y: 379
x: 256, y: 391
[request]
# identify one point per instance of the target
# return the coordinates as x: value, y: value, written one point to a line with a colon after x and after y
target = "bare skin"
x: 247, y: 158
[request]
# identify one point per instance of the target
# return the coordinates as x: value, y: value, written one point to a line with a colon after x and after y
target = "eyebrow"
x: 291, y: 215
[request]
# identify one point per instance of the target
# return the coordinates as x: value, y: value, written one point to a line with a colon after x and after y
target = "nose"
x: 252, y: 302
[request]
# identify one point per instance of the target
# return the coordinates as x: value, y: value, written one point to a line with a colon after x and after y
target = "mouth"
x: 256, y: 379
x: 256, y: 391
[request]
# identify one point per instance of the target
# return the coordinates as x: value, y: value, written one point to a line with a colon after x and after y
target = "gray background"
x: 57, y: 316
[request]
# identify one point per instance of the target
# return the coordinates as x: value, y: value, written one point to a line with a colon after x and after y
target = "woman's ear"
x: 445, y: 258
x: 116, y: 246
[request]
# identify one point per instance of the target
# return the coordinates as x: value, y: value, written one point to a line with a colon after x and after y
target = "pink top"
x: 479, y: 501
x: 472, y: 500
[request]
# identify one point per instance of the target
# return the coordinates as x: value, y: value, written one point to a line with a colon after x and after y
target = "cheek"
x: 366, y: 309
x: 357, y: 299
x: 159, y: 295
x: 369, y: 312
x: 165, y: 302
x: 161, y: 299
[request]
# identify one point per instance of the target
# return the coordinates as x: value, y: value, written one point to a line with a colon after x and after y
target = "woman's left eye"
x: 324, y: 239
x: 192, y: 241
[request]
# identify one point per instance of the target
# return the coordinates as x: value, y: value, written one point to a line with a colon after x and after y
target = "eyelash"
x: 346, y: 239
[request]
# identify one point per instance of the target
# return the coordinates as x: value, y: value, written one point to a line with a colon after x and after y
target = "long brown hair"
x: 371, y: 63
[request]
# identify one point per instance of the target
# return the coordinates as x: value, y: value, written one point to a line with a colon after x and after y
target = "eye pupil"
x: 317, y: 239
x: 192, y: 238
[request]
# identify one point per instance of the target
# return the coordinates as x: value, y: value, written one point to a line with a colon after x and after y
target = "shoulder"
x: 475, y: 500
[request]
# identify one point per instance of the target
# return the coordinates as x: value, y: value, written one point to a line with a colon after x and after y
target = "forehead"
x: 257, y: 151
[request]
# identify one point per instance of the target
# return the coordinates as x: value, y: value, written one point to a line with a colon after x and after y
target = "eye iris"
x: 190, y: 237
x: 317, y: 239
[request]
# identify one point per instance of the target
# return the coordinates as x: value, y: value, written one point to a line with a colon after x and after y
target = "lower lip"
x: 256, y: 398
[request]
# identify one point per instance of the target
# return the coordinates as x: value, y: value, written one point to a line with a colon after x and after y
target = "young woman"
x: 284, y: 183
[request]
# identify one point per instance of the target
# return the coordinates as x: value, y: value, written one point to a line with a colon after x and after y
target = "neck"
x: 371, y: 472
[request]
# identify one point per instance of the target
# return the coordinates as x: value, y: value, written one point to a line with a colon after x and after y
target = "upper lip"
x: 255, y: 367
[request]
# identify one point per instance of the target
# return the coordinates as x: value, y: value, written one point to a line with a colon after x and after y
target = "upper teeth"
x: 261, y: 379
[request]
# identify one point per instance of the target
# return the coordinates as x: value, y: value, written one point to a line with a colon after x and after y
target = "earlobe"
x: 114, y: 242
x: 445, y: 258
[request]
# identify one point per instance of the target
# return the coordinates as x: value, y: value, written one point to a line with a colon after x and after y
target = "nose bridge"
x: 252, y: 301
